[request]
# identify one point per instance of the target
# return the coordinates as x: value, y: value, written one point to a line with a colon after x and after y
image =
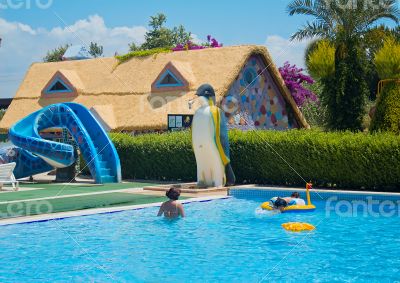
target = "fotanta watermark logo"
x: 175, y: 103
x: 365, y: 208
x: 25, y: 4
x: 18, y: 209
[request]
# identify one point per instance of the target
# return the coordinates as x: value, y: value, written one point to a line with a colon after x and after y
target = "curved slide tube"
x: 40, y: 154
x: 27, y: 163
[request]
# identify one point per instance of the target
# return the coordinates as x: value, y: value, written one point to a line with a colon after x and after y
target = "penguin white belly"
x: 210, y: 169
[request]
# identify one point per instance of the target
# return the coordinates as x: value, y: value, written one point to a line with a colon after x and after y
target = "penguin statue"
x: 210, y: 142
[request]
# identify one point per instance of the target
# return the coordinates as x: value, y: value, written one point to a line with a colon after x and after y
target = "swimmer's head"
x: 173, y: 193
x: 295, y: 195
x: 280, y: 202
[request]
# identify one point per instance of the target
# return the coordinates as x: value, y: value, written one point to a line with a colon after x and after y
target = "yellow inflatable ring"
x: 298, y: 226
x: 291, y: 208
x: 295, y: 207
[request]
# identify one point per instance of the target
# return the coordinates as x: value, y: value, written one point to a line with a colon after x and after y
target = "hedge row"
x: 342, y: 160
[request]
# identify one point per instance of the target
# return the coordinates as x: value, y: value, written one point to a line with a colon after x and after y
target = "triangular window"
x: 58, y: 86
x: 168, y: 79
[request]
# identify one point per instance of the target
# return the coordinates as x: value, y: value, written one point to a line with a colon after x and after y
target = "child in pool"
x: 295, y: 199
x: 281, y: 203
x: 172, y: 208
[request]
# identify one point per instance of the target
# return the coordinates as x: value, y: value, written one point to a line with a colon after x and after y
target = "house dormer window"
x: 64, y: 83
x: 58, y: 86
x: 168, y: 79
x: 173, y: 77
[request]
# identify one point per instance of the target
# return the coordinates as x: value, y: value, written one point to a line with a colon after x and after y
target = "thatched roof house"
x: 140, y: 93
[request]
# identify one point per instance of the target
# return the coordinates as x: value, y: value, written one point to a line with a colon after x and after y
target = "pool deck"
x: 45, y: 200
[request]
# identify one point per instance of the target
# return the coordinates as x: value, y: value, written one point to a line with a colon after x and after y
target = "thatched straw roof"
x: 122, y: 94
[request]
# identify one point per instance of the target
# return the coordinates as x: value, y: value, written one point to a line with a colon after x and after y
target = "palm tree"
x: 344, y: 23
x: 341, y: 20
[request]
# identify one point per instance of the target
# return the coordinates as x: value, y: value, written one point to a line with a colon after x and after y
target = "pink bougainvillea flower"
x: 295, y: 80
x: 211, y: 43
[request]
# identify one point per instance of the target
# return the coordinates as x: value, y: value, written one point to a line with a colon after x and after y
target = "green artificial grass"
x: 52, y: 190
x: 26, y: 208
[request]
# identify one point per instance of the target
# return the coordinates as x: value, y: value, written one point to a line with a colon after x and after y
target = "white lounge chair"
x: 7, y: 175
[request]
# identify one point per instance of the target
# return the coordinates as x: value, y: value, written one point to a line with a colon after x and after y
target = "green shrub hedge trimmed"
x: 387, y: 114
x: 340, y: 159
x: 166, y: 156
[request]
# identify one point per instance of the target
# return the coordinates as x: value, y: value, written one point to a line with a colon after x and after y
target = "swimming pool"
x: 220, y: 241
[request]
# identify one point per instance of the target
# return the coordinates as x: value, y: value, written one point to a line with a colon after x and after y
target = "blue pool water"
x: 220, y: 241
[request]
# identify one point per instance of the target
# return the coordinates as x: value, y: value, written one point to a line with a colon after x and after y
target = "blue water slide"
x: 28, y: 164
x: 94, y: 144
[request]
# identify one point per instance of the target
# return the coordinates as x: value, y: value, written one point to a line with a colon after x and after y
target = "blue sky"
x: 233, y: 21
x: 30, y: 28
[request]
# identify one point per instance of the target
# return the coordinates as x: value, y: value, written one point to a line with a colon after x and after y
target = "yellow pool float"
x: 291, y: 208
x: 294, y: 208
x: 298, y: 226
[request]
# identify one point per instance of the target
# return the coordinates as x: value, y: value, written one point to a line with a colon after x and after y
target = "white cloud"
x: 196, y: 39
x: 283, y: 50
x: 22, y: 45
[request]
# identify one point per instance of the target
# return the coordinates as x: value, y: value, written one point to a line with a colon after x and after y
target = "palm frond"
x: 344, y: 20
x: 301, y: 7
x: 320, y: 9
x: 314, y: 29
x: 389, y: 10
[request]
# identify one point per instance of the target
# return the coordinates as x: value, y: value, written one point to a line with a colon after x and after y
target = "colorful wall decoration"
x: 255, y: 102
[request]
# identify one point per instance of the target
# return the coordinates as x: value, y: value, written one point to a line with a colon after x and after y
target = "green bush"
x: 341, y: 159
x: 387, y: 114
x: 321, y: 60
x: 156, y: 156
x: 387, y: 59
x: 315, y: 112
x: 341, y: 71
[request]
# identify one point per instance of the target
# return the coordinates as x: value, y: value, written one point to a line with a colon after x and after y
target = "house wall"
x: 255, y: 102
